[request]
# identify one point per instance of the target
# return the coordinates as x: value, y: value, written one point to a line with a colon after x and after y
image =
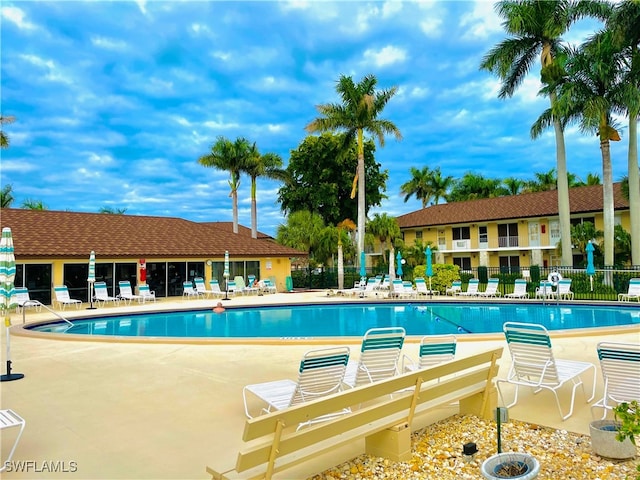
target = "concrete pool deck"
x: 109, y: 410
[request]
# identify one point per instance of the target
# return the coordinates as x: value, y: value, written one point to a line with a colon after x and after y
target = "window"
x: 461, y: 233
x: 442, y: 240
x: 463, y: 262
x: 508, y: 235
x: 554, y: 229
x: 483, y: 237
x: 578, y: 221
x: 418, y: 234
x: 510, y: 264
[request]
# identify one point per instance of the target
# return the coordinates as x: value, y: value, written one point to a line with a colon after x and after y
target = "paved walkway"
x: 106, y: 410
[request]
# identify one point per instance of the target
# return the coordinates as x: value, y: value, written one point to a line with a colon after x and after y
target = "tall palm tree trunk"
x: 634, y: 188
x: 361, y: 193
x: 254, y: 210
x: 564, y: 208
x: 340, y: 267
x: 607, y: 197
x: 234, y: 199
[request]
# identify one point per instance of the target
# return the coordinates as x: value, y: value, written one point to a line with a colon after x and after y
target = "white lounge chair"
x: 434, y: 349
x: 232, y: 288
x: 379, y: 356
x: 620, y: 365
x: 22, y: 299
x: 421, y: 287
x: 492, y: 289
x: 321, y: 373
x: 189, y: 291
x: 269, y: 286
x: 63, y: 299
x: 126, y: 292
x: 519, y: 289
x: 545, y: 290
x: 400, y: 290
x: 455, y: 288
x: 564, y: 289
x: 472, y: 288
x: 201, y: 287
x: 146, y: 293
x: 214, y: 288
x: 633, y: 292
x: 534, y: 365
x: 101, y: 294
x: 10, y: 419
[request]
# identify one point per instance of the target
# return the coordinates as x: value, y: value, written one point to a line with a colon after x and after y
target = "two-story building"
x: 507, y: 232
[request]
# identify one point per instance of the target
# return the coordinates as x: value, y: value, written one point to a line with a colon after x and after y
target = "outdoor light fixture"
x: 468, y: 451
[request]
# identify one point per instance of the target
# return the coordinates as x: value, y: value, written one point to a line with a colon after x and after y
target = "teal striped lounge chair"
x: 434, y: 349
x: 455, y: 288
x: 519, y: 289
x: 633, y: 292
x: 62, y: 297
x: 620, y: 365
x: 23, y: 300
x: 146, y: 293
x: 321, y: 372
x: 379, y: 356
x: 492, y: 289
x: 472, y: 288
x: 101, y: 294
x: 126, y: 292
x: 534, y: 365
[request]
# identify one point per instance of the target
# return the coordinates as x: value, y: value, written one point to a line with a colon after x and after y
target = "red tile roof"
x: 47, y: 233
x: 540, y: 204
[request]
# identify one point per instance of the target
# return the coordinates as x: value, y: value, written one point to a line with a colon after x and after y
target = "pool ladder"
x: 39, y: 304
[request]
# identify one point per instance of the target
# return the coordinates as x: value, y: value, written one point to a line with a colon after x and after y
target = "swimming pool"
x: 345, y: 320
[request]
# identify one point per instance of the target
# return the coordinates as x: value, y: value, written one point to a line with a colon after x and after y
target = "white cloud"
x: 55, y: 75
x: 481, y: 21
x: 108, y: 43
x: 385, y: 56
x: 431, y: 27
x: 17, y: 17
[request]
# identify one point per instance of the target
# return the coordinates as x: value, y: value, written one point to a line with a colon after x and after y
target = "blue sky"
x: 115, y: 101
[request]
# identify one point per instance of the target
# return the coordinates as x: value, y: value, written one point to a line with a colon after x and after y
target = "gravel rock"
x: 437, y: 454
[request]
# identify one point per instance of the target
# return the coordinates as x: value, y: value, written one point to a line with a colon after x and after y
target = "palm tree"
x: 257, y: 165
x: 342, y: 228
x: 4, y: 138
x: 113, y: 211
x: 31, y: 204
x: 6, y: 196
x: 419, y: 185
x: 231, y: 157
x: 513, y: 185
x: 361, y: 105
x: 625, y: 25
x: 590, y: 96
x: 535, y: 28
x: 303, y: 232
x: 386, y: 228
x: 440, y: 185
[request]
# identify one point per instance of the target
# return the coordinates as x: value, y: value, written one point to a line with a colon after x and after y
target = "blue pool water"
x: 332, y: 320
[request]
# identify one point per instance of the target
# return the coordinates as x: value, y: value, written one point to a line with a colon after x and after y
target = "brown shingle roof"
x: 47, y: 233
x: 540, y: 204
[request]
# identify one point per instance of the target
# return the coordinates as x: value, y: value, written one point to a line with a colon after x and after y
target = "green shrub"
x: 535, y: 274
x: 443, y: 276
x: 483, y: 276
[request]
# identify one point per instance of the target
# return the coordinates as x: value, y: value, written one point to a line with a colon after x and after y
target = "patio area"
x: 107, y: 410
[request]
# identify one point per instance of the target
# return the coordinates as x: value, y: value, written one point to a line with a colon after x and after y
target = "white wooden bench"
x: 382, y: 413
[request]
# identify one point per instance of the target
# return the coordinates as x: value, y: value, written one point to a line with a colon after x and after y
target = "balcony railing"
x: 510, y: 241
x: 461, y: 244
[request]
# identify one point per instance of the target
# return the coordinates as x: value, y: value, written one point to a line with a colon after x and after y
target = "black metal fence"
x: 605, y: 284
